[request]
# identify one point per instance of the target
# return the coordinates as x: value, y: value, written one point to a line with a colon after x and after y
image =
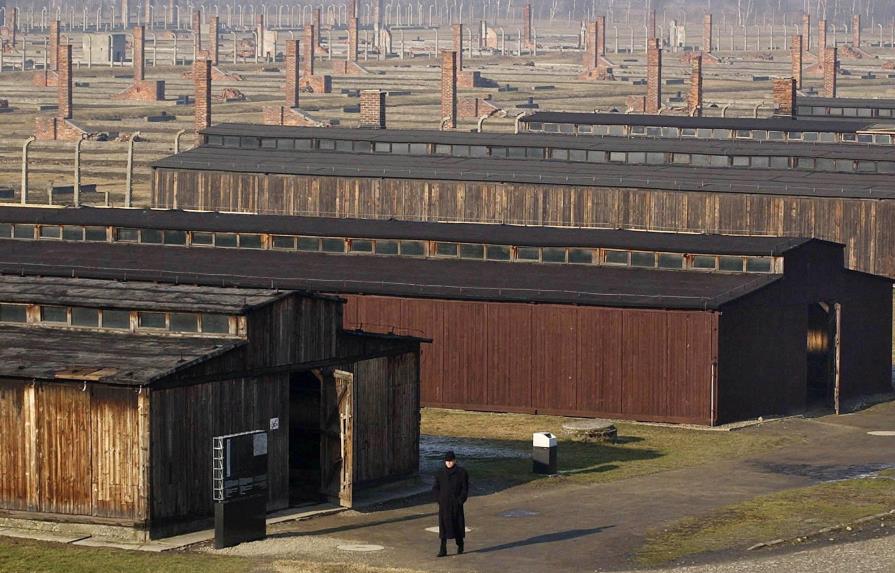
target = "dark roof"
x: 537, y: 236
x: 543, y: 172
x: 560, y: 141
x: 393, y: 276
x: 770, y: 123
x: 865, y: 102
x: 130, y: 294
x: 111, y: 358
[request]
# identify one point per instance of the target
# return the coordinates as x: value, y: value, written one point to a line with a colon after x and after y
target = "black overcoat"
x: 451, y: 489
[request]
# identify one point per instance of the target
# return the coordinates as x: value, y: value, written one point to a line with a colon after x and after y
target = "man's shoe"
x: 442, y: 552
x: 459, y: 549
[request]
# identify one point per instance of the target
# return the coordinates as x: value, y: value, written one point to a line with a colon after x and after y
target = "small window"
x: 805, y: 162
x: 363, y: 146
x: 362, y: 246
x: 460, y: 151
x: 809, y: 136
x: 55, y: 314
x: 268, y: 143
x: 865, y: 138
x: 470, y: 251
x: 124, y: 235
x: 214, y: 140
x: 704, y: 262
x: 643, y: 259
x: 117, y: 319
x: 671, y: 261
x: 285, y: 144
x: 155, y: 320
x: 96, y: 234
x: 231, y: 141
x: 23, y: 232
x: 13, y: 313
x: 227, y: 240
x: 779, y: 162
x: 824, y: 164
x: 401, y: 148
x: 216, y: 323
x: 69, y: 233
x: 516, y: 153
x: 688, y: 132
x: 596, y: 156
x: 249, y: 142
x: 498, y: 253
x: 535, y: 153
x: 343, y: 145
x: 333, y: 245
x: 446, y: 249
x: 760, y: 162
x: 636, y: 157
x: 384, y: 247
x: 862, y: 166
x: 327, y: 144
x: 638, y: 130
x: 581, y: 256
x: 152, y: 236
x: 5, y: 230
x: 561, y: 154
x: 413, y: 248
x: 528, y: 254
x: 304, y: 144
x: 85, y: 317
x: 849, y: 137
x: 578, y: 155
x: 654, y: 131
x: 731, y: 264
x: 50, y: 232
x: 653, y: 158
x: 776, y: 136
x: 744, y: 134
x: 617, y: 156
x: 719, y: 160
x: 681, y: 158
x: 310, y: 244
x: 553, y: 255
x: 419, y: 149
x: 175, y: 238
x: 699, y: 160
x: 442, y: 149
x: 284, y: 242
x: 612, y: 257
x: 202, y: 239
x: 250, y: 241
x: 740, y: 161
x: 759, y: 264
x: 184, y: 322
x: 722, y: 133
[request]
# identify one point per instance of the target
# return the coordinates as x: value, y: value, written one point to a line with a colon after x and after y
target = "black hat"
x: 449, y: 456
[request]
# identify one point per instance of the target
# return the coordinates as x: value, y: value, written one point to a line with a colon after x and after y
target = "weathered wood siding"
x: 72, y: 450
x: 865, y: 226
x: 553, y: 359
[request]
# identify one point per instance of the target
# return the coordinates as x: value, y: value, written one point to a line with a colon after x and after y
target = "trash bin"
x: 543, y: 453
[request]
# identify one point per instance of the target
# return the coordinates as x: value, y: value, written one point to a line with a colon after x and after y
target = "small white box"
x: 543, y: 440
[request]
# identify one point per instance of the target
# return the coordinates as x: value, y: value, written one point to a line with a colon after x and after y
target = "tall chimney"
x: 12, y: 22
x: 653, y: 77
x: 806, y: 31
x: 310, y: 44
x: 856, y: 30
x: 694, y: 101
x: 352, y: 38
x: 457, y: 34
x: 831, y: 65
x: 318, y: 23
x: 214, y: 50
x: 372, y: 109
x: 591, y: 59
x: 600, y: 38
x: 293, y: 86
x: 139, y: 51
x: 449, y: 88
x: 707, y: 33
x: 197, y: 32
x: 147, y: 13
x: 259, y: 36
x: 54, y: 45
x: 797, y: 50
x: 352, y: 9
x: 785, y: 96
x: 821, y: 36
x: 526, y: 25
x: 651, y: 25
x: 64, y: 85
x: 202, y: 82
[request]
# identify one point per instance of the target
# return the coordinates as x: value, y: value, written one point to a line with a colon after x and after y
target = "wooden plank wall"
x: 387, y: 425
x: 70, y: 449
x: 866, y: 226
x: 588, y: 361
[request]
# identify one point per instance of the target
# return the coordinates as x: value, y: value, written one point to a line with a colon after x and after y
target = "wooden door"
x: 337, y: 437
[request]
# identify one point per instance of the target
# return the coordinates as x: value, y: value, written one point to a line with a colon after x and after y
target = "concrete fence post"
x: 128, y: 186
x: 25, y: 146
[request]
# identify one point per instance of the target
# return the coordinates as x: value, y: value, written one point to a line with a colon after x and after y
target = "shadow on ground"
x: 543, y: 539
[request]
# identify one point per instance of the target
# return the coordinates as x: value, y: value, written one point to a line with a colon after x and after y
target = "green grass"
x: 783, y: 515
x: 641, y: 449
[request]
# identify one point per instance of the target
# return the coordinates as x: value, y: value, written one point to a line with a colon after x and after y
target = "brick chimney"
x: 12, y: 22
x: 259, y: 36
x: 449, y: 88
x: 526, y: 26
x: 202, y: 82
x: 821, y: 36
x: 372, y: 109
x: 806, y: 31
x: 293, y: 87
x: 694, y: 100
x: 651, y: 25
x: 352, y: 9
x: 310, y: 43
x: 797, y: 50
x: 197, y: 32
x: 707, y: 33
x: 64, y: 86
x: 147, y: 13
x: 591, y: 60
x: 856, y: 31
x: 54, y: 46
x: 600, y: 37
x: 352, y: 38
x: 653, y: 77
x: 318, y: 23
x: 831, y: 66
x: 785, y: 96
x: 214, y: 49
x: 139, y: 51
x: 457, y: 35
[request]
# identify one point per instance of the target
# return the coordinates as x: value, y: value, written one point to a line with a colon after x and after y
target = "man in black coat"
x: 451, y: 489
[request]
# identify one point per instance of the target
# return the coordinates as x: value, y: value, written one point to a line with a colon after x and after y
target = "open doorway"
x: 305, y: 479
x: 823, y: 356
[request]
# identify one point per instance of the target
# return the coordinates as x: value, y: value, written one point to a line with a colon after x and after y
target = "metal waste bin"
x: 543, y: 453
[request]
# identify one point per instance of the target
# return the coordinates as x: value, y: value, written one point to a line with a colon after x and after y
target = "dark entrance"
x: 304, y: 438
x: 823, y: 355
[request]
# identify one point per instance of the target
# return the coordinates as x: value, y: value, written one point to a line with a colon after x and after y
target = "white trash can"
x: 543, y: 453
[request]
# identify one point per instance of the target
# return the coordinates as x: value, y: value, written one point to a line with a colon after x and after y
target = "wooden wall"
x: 554, y: 359
x: 866, y: 226
x: 73, y: 450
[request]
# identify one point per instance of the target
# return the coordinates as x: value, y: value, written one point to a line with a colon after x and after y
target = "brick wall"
x: 785, y: 96
x: 372, y: 109
x: 352, y: 38
x: 707, y: 33
x: 293, y: 49
x: 651, y: 23
x: 197, y: 31
x: 806, y: 31
x: 856, y: 31
x: 449, y: 87
x: 202, y: 83
x: 310, y: 40
x: 139, y: 51
x: 457, y: 36
x: 591, y: 61
x: 600, y: 37
x: 64, y: 88
x: 831, y: 66
x: 53, y: 56
x: 214, y: 48
x: 797, y: 50
x: 653, y: 77
x: 318, y: 23
x: 694, y: 99
x: 821, y: 36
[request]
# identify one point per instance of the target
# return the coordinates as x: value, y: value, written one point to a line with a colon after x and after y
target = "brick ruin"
x: 653, y: 77
x: 831, y: 68
x: 449, y: 89
x: 785, y: 96
x: 202, y: 85
x: 372, y: 109
x: 49, y: 76
x: 311, y: 82
x: 596, y: 66
x: 694, y: 98
x: 797, y: 52
x: 142, y: 89
x: 60, y: 127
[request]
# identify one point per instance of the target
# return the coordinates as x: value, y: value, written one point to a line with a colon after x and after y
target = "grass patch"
x: 641, y: 449
x: 783, y: 515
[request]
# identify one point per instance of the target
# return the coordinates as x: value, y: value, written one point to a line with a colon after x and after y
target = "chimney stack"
x: 653, y: 77
x: 694, y: 101
x: 139, y: 51
x: 526, y: 26
x: 197, y: 32
x: 202, y: 81
x: 214, y: 50
x: 806, y: 31
x: 821, y: 37
x: 12, y: 22
x: 856, y: 31
x: 310, y: 43
x: 64, y: 85
x: 797, y: 51
x: 651, y: 26
x: 600, y: 38
x: 707, y: 33
x: 372, y: 109
x: 54, y: 46
x: 457, y: 34
x: 831, y: 66
x: 785, y: 96
x: 352, y: 38
x: 591, y: 59
x: 293, y: 86
x: 449, y: 88
x: 259, y: 36
x: 318, y: 23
